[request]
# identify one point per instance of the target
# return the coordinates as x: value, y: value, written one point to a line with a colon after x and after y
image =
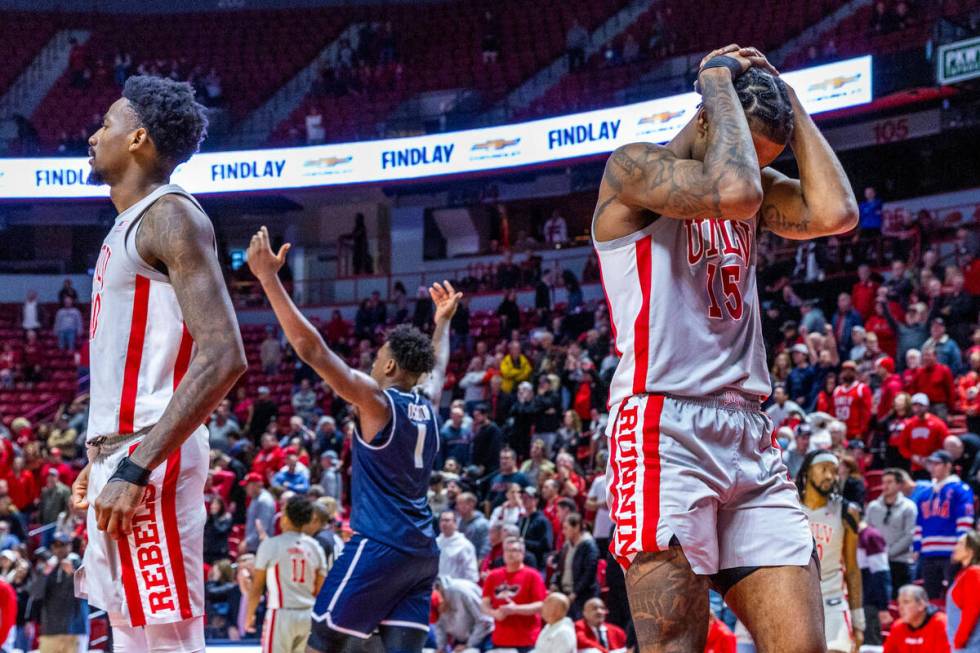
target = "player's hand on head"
x: 79, y: 490
x: 262, y: 261
x: 115, y: 507
x: 731, y: 47
x: 445, y: 298
x: 757, y: 59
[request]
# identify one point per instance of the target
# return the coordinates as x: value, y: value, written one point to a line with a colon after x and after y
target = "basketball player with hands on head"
x: 165, y: 350
x: 383, y: 579
x: 834, y: 524
x: 291, y: 566
x: 697, y: 489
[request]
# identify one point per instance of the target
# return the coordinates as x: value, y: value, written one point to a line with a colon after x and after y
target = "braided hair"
x: 765, y: 99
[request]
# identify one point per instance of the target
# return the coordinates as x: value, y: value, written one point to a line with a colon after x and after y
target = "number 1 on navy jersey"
x: 420, y: 445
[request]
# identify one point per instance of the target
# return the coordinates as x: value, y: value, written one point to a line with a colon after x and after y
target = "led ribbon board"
x: 539, y: 142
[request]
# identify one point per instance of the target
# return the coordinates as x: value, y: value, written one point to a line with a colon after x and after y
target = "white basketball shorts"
x: 837, y: 623
x: 708, y: 473
x: 156, y: 574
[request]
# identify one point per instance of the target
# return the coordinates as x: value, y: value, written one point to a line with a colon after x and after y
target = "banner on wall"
x: 539, y: 142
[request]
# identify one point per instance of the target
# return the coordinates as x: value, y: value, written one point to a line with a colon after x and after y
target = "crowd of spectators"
x: 888, y: 377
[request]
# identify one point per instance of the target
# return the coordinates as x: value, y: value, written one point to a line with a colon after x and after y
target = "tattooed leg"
x: 793, y: 593
x: 669, y: 603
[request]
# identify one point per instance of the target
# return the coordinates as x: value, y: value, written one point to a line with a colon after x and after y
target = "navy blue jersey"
x: 390, y: 476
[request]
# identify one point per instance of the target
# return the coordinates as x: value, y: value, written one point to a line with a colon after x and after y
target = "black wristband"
x: 130, y: 472
x: 721, y: 61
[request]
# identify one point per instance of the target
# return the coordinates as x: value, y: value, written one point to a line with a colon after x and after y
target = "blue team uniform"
x: 386, y: 571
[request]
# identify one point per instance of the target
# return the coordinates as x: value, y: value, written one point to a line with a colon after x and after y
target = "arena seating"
x: 686, y: 28
x: 248, y: 50
x: 854, y: 36
x: 441, y: 49
x: 22, y: 35
x: 59, y: 381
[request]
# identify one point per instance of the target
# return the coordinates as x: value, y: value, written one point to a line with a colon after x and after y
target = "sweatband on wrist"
x: 723, y: 61
x: 857, y: 619
x: 130, y: 472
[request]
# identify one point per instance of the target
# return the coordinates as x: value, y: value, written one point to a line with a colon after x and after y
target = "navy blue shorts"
x: 373, y: 584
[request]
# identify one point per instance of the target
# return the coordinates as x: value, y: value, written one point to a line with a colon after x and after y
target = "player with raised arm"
x: 834, y: 524
x: 697, y: 489
x: 383, y: 579
x: 165, y: 350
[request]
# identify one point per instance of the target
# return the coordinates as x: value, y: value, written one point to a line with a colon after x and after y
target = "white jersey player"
x: 697, y: 487
x: 165, y: 349
x: 291, y: 566
x: 834, y: 525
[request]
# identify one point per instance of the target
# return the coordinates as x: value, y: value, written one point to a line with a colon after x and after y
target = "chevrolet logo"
x: 663, y: 116
x: 495, y: 144
x: 834, y: 82
x: 327, y: 162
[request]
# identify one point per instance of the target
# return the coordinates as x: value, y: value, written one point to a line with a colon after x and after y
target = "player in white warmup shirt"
x: 697, y: 487
x: 165, y: 350
x: 292, y: 567
x: 834, y: 524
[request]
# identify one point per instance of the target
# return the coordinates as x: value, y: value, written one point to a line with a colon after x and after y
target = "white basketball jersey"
x: 684, y: 309
x: 827, y: 526
x: 292, y: 561
x: 138, y: 344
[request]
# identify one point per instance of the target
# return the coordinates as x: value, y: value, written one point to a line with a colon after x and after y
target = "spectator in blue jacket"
x: 799, y: 383
x: 845, y: 319
x: 945, y: 513
x: 947, y: 351
x: 292, y: 476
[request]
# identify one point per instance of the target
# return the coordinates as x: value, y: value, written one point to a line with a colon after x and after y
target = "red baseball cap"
x: 888, y: 363
x: 252, y: 477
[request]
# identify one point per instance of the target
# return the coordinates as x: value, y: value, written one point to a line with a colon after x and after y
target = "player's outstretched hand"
x: 262, y: 261
x: 79, y: 490
x: 115, y: 507
x: 446, y: 299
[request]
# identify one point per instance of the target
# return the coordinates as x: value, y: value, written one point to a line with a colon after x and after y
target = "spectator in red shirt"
x: 878, y: 325
x: 592, y: 631
x: 54, y: 461
x: 21, y: 485
x: 962, y: 604
x: 935, y: 380
x: 8, y: 609
x: 512, y: 595
x: 891, y: 385
x: 720, y: 638
x: 852, y: 402
x: 968, y: 393
x: 865, y: 292
x: 270, y: 459
x: 922, y: 434
x: 337, y: 329
x: 921, y: 629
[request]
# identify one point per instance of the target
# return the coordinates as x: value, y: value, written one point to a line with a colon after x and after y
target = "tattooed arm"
x: 726, y: 184
x: 174, y: 236
x: 819, y: 203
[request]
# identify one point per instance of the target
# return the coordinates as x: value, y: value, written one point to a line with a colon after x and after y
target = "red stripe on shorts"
x: 134, y: 355
x: 279, y: 586
x: 183, y: 356
x: 641, y: 327
x: 133, y: 598
x: 267, y: 647
x: 651, y: 472
x: 168, y: 503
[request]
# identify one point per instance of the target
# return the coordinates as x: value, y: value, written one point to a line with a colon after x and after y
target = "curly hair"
x: 765, y: 99
x: 176, y: 123
x: 411, y: 349
x: 299, y: 509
